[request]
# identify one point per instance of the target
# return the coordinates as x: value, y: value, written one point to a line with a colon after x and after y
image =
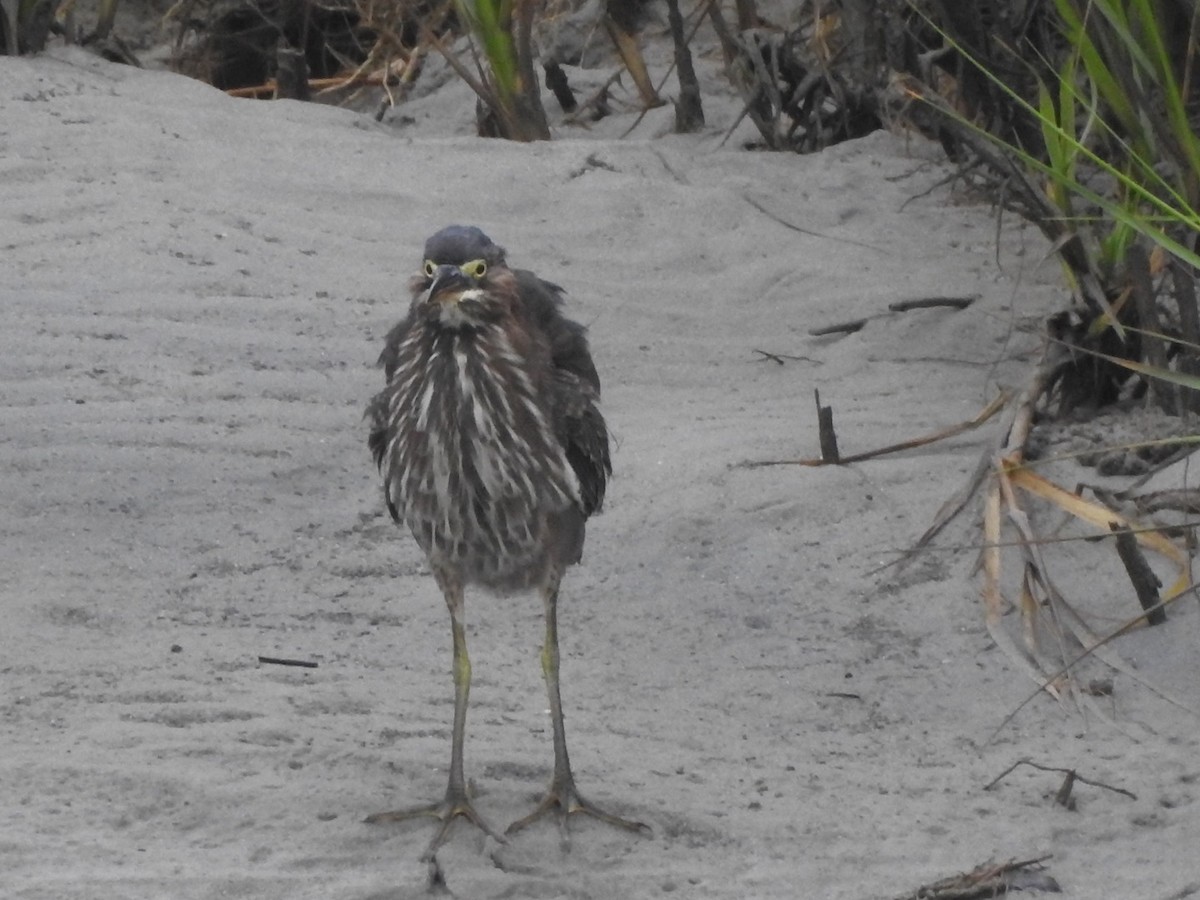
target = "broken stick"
x: 1145, y: 582
x: 828, y: 437
x: 276, y: 661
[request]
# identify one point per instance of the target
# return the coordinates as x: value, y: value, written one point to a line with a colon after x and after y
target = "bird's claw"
x: 565, y: 800
x: 455, y: 805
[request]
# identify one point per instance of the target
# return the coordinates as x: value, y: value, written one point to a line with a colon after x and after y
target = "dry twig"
x: 989, y: 880
x: 1065, y: 771
x: 276, y: 661
x: 986, y: 413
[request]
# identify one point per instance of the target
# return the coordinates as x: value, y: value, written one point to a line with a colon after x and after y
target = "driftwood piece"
x: 989, y: 880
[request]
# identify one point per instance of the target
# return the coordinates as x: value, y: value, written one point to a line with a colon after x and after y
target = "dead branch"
x: 986, y: 413
x: 989, y: 880
x: 1066, y: 771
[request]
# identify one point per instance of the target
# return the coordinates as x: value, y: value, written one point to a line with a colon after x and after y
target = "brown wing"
x: 578, y: 421
x: 377, y: 413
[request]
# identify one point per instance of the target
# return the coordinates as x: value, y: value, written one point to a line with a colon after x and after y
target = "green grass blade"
x: 1165, y: 205
x: 1191, y: 382
x: 488, y: 21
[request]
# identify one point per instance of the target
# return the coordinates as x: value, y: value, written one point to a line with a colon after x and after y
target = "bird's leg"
x: 456, y: 802
x: 562, y: 797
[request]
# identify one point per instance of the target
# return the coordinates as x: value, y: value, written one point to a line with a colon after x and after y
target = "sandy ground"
x: 195, y: 291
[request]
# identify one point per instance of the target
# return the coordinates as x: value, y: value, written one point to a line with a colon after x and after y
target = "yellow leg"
x: 562, y: 797
x: 456, y: 802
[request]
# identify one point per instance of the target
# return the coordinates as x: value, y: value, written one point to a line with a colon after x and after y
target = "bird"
x: 493, y: 453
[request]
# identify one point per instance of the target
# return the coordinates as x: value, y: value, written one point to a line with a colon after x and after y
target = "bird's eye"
x: 430, y: 268
x: 476, y: 268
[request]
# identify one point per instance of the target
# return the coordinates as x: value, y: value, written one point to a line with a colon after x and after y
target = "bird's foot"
x: 564, y: 800
x: 455, y: 804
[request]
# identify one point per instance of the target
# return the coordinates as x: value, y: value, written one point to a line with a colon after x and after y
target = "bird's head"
x: 464, y: 280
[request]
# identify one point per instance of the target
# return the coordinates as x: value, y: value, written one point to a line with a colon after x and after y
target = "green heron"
x: 493, y: 452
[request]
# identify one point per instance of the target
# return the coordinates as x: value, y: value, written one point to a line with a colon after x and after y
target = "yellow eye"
x: 476, y: 268
x: 430, y: 268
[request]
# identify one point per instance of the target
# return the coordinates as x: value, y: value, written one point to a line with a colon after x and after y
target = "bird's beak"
x: 447, y: 285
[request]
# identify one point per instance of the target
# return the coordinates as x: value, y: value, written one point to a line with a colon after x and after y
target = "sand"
x: 195, y: 292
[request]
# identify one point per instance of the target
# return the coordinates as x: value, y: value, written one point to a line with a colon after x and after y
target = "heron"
x: 493, y: 453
